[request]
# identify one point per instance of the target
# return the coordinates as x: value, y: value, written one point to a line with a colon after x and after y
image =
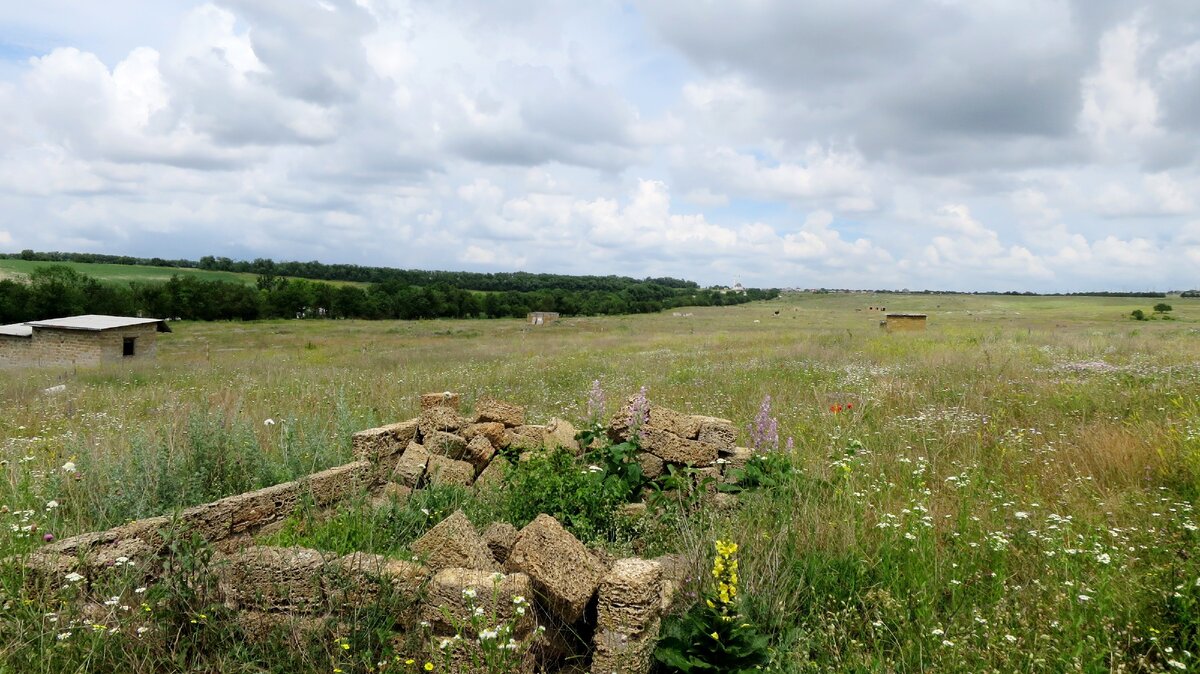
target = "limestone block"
x: 559, y: 433
x: 674, y: 449
x: 411, y: 466
x: 616, y: 651
x: 632, y: 511
x: 453, y: 543
x: 444, y: 471
x: 492, y: 430
x: 439, y: 419
x: 492, y: 477
x: 296, y: 631
x: 652, y: 466
x: 395, y: 492
x: 683, y: 425
x: 445, y: 444
x: 500, y: 537
x: 374, y: 443
x: 274, y: 579
x: 717, y: 432
x: 488, y: 408
x: 564, y: 572
x: 449, y: 592
x: 342, y: 482
x: 479, y: 452
x: 445, y: 399
x: 628, y: 616
x: 359, y: 578
x: 525, y: 438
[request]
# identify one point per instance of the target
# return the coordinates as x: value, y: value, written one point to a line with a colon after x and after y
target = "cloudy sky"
x: 958, y: 144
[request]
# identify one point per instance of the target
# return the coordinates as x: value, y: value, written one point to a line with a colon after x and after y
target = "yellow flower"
x: 429, y: 666
x: 715, y: 636
x: 710, y: 603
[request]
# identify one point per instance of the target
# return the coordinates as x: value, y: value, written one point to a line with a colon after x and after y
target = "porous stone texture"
x: 445, y: 444
x: 652, y: 466
x: 411, y: 466
x: 718, y: 433
x: 375, y: 443
x: 561, y: 434
x: 358, y: 579
x: 493, y: 431
x: 628, y: 617
x: 493, y: 592
x: 492, y: 477
x: 479, y: 452
x: 395, y: 492
x: 439, y: 419
x: 673, y: 449
x: 274, y: 579
x: 444, y: 399
x: 453, y: 543
x: 564, y: 572
x: 294, y: 631
x: 526, y: 438
x: 500, y: 537
x: 443, y: 471
x: 488, y: 408
x: 683, y: 425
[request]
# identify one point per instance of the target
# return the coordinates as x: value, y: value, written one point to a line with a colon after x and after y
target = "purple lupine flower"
x: 595, y: 403
x: 764, y: 432
x: 791, y: 446
x: 639, y: 414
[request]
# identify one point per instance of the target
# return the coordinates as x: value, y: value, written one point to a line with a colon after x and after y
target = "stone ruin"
x: 585, y: 608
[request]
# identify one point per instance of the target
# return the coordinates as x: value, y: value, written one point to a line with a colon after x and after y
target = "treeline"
x: 1018, y: 293
x: 54, y: 291
x: 516, y: 281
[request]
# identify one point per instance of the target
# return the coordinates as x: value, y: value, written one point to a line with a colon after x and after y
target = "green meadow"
x: 126, y: 273
x: 1011, y: 490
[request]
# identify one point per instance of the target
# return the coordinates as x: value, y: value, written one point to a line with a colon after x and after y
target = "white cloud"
x: 659, y: 138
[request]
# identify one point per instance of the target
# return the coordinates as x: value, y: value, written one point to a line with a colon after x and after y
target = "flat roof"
x: 96, y: 322
x: 16, y: 330
x: 906, y: 316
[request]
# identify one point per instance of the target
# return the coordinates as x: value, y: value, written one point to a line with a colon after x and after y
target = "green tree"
x: 1162, y: 308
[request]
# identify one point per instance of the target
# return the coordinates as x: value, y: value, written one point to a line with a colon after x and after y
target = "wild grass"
x: 1019, y: 496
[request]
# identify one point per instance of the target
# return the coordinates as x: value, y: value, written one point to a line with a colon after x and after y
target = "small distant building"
x: 541, y: 317
x: 904, y: 322
x: 79, y: 340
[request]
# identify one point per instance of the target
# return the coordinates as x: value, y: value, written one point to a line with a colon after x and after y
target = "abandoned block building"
x: 79, y: 340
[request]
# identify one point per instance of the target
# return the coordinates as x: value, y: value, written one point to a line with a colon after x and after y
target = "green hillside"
x: 124, y: 273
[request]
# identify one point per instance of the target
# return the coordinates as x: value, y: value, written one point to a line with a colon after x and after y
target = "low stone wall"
x: 582, y: 608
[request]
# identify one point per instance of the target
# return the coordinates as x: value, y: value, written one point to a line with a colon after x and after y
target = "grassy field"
x: 1012, y: 490
x: 124, y: 273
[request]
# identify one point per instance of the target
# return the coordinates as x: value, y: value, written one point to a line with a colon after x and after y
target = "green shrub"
x: 583, y: 498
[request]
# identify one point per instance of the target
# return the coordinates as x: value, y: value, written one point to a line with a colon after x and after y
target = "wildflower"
x: 947, y: 642
x: 143, y: 630
x: 429, y: 666
x: 1021, y: 515
x: 1010, y: 638
x: 478, y: 610
x: 595, y: 402
x: 62, y: 636
x: 469, y: 593
x: 73, y: 577
x: 268, y: 422
x: 68, y: 467
x: 715, y: 636
x: 639, y: 413
x: 1103, y: 558
x: 49, y: 538
x: 937, y: 632
x: 1176, y: 664
x: 764, y: 432
x: 51, y: 505
x: 1084, y: 597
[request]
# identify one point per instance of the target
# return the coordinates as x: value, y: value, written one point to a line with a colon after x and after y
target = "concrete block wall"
x: 52, y: 347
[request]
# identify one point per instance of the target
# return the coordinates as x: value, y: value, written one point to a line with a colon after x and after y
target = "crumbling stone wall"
x: 583, y: 607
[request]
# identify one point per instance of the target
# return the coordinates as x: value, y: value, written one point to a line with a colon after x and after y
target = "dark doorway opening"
x: 130, y: 346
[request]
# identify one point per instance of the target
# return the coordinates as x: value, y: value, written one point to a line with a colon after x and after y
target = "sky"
x: 1036, y: 145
